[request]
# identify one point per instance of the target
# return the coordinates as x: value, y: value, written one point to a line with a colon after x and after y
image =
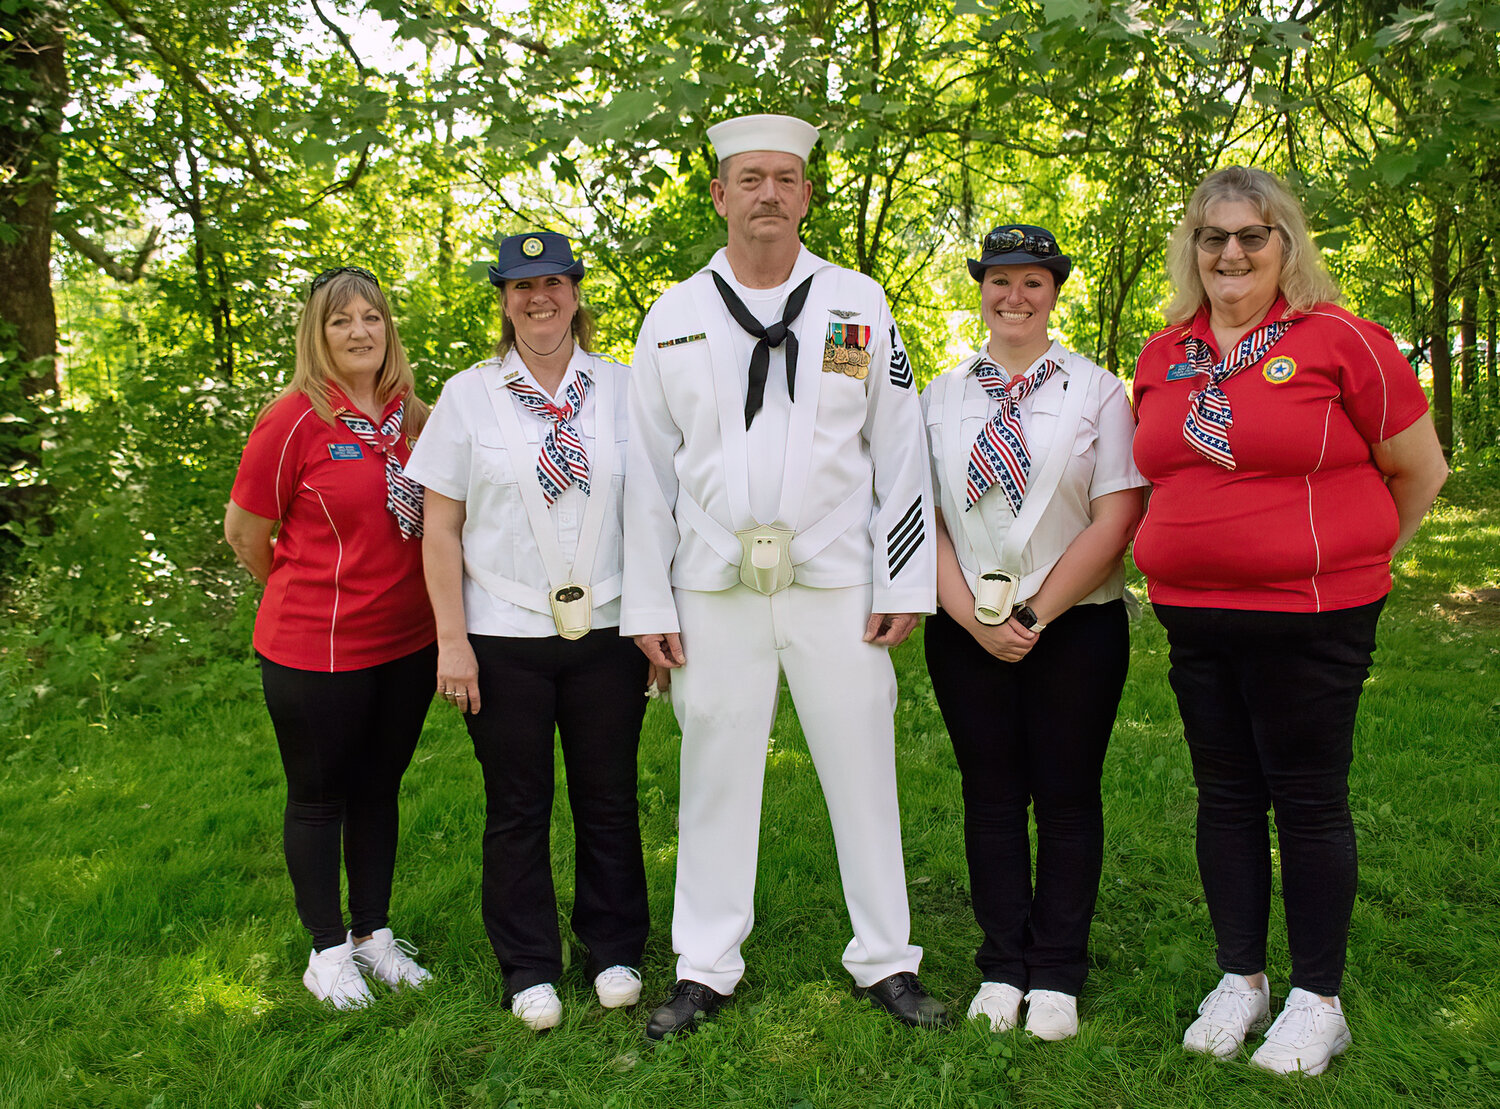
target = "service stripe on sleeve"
x: 905, y: 538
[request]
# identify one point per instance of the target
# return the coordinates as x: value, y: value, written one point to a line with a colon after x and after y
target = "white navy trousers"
x: 737, y: 643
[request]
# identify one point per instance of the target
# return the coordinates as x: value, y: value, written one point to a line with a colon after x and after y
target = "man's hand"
x: 890, y: 629
x: 663, y: 649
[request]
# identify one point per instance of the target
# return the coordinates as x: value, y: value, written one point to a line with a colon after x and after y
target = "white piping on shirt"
x: 281, y: 460
x: 337, y: 567
x: 1385, y: 393
x: 1312, y: 525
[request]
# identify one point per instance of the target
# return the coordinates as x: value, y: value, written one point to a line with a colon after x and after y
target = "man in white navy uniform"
x: 778, y: 519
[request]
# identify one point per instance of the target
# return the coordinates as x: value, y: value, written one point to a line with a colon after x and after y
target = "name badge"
x: 344, y: 452
x: 1179, y: 371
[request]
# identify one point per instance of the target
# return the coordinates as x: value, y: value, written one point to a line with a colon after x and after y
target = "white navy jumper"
x: 845, y: 468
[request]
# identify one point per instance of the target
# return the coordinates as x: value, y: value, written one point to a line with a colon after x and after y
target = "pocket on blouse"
x: 494, y: 459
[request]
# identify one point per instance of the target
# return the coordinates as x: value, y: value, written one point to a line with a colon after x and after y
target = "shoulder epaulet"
x: 965, y: 366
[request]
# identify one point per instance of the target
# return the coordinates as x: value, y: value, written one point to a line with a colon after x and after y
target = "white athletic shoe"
x: 389, y: 959
x: 1051, y: 1015
x: 539, y: 1007
x: 332, y: 976
x: 618, y: 986
x: 1231, y: 1011
x: 1305, y: 1038
x: 999, y: 1003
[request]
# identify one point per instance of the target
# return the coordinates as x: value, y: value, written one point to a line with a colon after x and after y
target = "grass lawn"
x: 150, y: 957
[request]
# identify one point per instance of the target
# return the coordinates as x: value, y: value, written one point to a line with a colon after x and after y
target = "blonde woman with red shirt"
x: 1290, y: 454
x: 324, y: 517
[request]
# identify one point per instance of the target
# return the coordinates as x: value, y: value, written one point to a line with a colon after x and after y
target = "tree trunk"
x: 1468, y: 313
x: 33, y: 89
x: 1491, y: 385
x: 1442, y: 354
x: 34, y: 78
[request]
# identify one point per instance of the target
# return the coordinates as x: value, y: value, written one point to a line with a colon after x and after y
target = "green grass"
x: 149, y: 955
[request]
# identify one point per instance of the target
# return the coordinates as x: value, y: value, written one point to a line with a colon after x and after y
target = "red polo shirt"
x: 1304, y: 523
x: 346, y: 590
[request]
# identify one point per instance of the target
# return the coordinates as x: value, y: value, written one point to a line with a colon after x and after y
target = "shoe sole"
x: 542, y: 1023
x: 941, y: 1021
x: 342, y: 1005
x: 1259, y: 1026
x: 621, y: 1001
x: 1310, y: 1072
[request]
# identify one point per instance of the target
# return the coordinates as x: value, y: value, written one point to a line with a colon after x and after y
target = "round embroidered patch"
x: 531, y: 247
x: 1279, y: 369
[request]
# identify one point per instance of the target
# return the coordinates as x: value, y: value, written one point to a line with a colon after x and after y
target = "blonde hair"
x: 1304, y: 281
x: 583, y: 322
x: 312, y: 374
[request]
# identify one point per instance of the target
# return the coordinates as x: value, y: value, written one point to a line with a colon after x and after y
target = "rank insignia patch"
x: 677, y: 342
x: 846, y: 350
x: 901, y: 375
x: 1279, y: 369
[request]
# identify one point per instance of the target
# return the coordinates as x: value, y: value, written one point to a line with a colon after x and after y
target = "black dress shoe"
x: 904, y: 998
x: 687, y: 1004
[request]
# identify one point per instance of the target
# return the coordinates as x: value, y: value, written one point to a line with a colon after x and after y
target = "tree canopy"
x: 172, y: 174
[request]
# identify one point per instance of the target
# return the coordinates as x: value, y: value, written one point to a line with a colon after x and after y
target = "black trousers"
x: 1268, y: 701
x: 346, y: 739
x: 1033, y: 733
x: 591, y: 692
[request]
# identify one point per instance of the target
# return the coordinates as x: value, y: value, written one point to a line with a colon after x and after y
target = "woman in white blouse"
x: 1038, y: 498
x: 523, y: 460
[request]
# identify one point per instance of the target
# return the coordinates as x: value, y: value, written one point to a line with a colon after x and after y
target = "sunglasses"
x: 1005, y: 241
x: 1252, y: 237
x: 328, y: 275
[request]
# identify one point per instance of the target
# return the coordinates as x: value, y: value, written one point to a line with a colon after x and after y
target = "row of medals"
x: 846, y: 360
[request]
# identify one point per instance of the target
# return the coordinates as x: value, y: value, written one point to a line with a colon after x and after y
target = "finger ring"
x: 462, y: 693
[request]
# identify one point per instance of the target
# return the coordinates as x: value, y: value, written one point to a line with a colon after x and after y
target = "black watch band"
x: 1024, y: 616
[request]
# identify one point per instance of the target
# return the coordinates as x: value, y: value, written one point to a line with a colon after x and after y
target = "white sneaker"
x: 1231, y: 1011
x: 388, y: 959
x: 618, y: 986
x: 1051, y: 1015
x: 999, y: 1002
x: 332, y: 976
x: 539, y: 1007
x: 1305, y: 1038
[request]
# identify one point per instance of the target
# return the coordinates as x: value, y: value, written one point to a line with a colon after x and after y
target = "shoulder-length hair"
x: 312, y: 376
x: 583, y: 323
x: 1304, y: 280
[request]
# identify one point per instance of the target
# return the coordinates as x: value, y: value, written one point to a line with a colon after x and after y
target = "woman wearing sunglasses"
x: 1290, y: 453
x: 324, y: 516
x: 1038, y: 498
x: 524, y: 462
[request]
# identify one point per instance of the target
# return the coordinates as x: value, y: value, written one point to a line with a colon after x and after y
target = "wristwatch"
x: 1023, y: 615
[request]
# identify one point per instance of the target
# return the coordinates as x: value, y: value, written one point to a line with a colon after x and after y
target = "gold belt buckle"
x: 572, y: 610
x: 766, y: 561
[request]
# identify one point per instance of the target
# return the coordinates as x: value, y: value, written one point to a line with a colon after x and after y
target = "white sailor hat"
x: 786, y: 134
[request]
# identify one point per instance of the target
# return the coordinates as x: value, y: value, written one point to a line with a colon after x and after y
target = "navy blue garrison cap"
x: 534, y: 254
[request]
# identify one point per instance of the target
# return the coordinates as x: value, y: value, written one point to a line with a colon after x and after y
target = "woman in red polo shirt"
x: 1290, y: 454
x: 345, y: 633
